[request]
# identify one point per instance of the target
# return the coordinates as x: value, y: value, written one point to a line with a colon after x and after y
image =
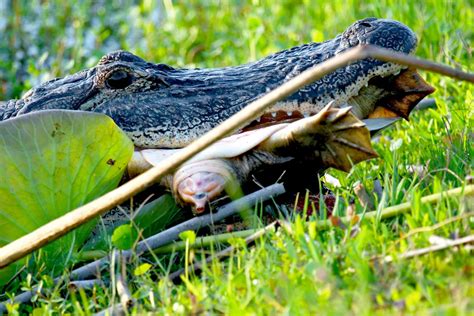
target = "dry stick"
x: 404, y: 207
x: 221, y: 254
x: 166, y: 236
x: 423, y: 251
x: 195, y: 223
x: 64, y: 224
x: 119, y: 308
x: 123, y: 292
x: 203, y: 242
x: 84, y: 284
x: 431, y: 228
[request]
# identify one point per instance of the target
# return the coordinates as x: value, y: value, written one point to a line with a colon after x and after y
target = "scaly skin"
x: 163, y: 107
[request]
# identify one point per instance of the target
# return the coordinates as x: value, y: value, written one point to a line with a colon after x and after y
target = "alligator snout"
x: 380, y: 32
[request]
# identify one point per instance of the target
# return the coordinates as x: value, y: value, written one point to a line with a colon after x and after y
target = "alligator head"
x: 161, y: 106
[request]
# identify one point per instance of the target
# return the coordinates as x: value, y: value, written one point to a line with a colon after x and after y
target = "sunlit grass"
x: 310, y: 271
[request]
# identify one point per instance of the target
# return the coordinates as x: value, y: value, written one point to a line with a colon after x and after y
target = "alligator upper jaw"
x: 384, y: 97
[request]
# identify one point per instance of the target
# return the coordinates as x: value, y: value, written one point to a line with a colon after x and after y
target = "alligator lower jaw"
x: 405, y: 91
x: 383, y: 97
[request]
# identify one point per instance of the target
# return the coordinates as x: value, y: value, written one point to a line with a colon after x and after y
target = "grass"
x: 310, y: 270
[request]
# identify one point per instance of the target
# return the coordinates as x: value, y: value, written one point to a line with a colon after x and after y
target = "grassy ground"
x: 311, y: 270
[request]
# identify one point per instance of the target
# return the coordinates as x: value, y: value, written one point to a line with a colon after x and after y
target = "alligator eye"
x: 119, y: 79
x: 366, y: 24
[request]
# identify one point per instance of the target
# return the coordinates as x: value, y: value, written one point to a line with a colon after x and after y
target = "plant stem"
x: 424, y: 251
x: 206, y: 241
x: 395, y: 210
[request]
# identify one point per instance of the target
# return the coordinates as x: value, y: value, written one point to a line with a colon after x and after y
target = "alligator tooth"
x: 258, y: 119
x: 305, y: 114
x: 274, y: 114
x: 290, y: 113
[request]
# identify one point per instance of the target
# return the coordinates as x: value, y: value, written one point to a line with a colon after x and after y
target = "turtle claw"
x: 334, y: 135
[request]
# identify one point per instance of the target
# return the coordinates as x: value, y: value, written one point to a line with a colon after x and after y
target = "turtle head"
x: 199, y: 189
x: 197, y: 184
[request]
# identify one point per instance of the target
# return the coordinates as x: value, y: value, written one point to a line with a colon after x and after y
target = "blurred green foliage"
x: 46, y: 39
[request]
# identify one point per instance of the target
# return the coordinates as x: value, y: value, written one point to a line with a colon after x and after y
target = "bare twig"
x: 437, y: 240
x: 205, y: 241
x: 431, y: 228
x: 195, y: 223
x: 423, y: 251
x: 123, y: 292
x: 175, y: 276
x: 166, y: 236
x: 405, y: 207
x: 64, y: 224
x: 84, y: 284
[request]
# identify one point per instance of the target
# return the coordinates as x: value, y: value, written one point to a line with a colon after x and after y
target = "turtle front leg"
x: 334, y: 136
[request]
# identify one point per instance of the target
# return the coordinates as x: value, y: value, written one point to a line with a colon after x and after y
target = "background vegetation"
x: 311, y: 270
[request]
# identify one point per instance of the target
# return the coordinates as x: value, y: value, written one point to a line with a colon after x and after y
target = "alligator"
x: 160, y: 106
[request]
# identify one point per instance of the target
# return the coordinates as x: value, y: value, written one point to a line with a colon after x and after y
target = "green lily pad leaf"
x: 51, y: 162
x: 124, y: 237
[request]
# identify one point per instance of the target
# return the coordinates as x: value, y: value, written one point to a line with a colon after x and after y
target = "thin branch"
x: 405, y: 207
x: 424, y: 251
x: 166, y: 236
x: 64, y: 224
x: 126, y: 299
x: 431, y: 228
x: 84, y: 284
x: 206, y: 241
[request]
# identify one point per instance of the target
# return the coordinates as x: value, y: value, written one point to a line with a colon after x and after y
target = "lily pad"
x: 50, y: 163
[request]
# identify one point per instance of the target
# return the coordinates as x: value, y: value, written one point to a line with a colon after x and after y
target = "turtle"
x: 334, y: 137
